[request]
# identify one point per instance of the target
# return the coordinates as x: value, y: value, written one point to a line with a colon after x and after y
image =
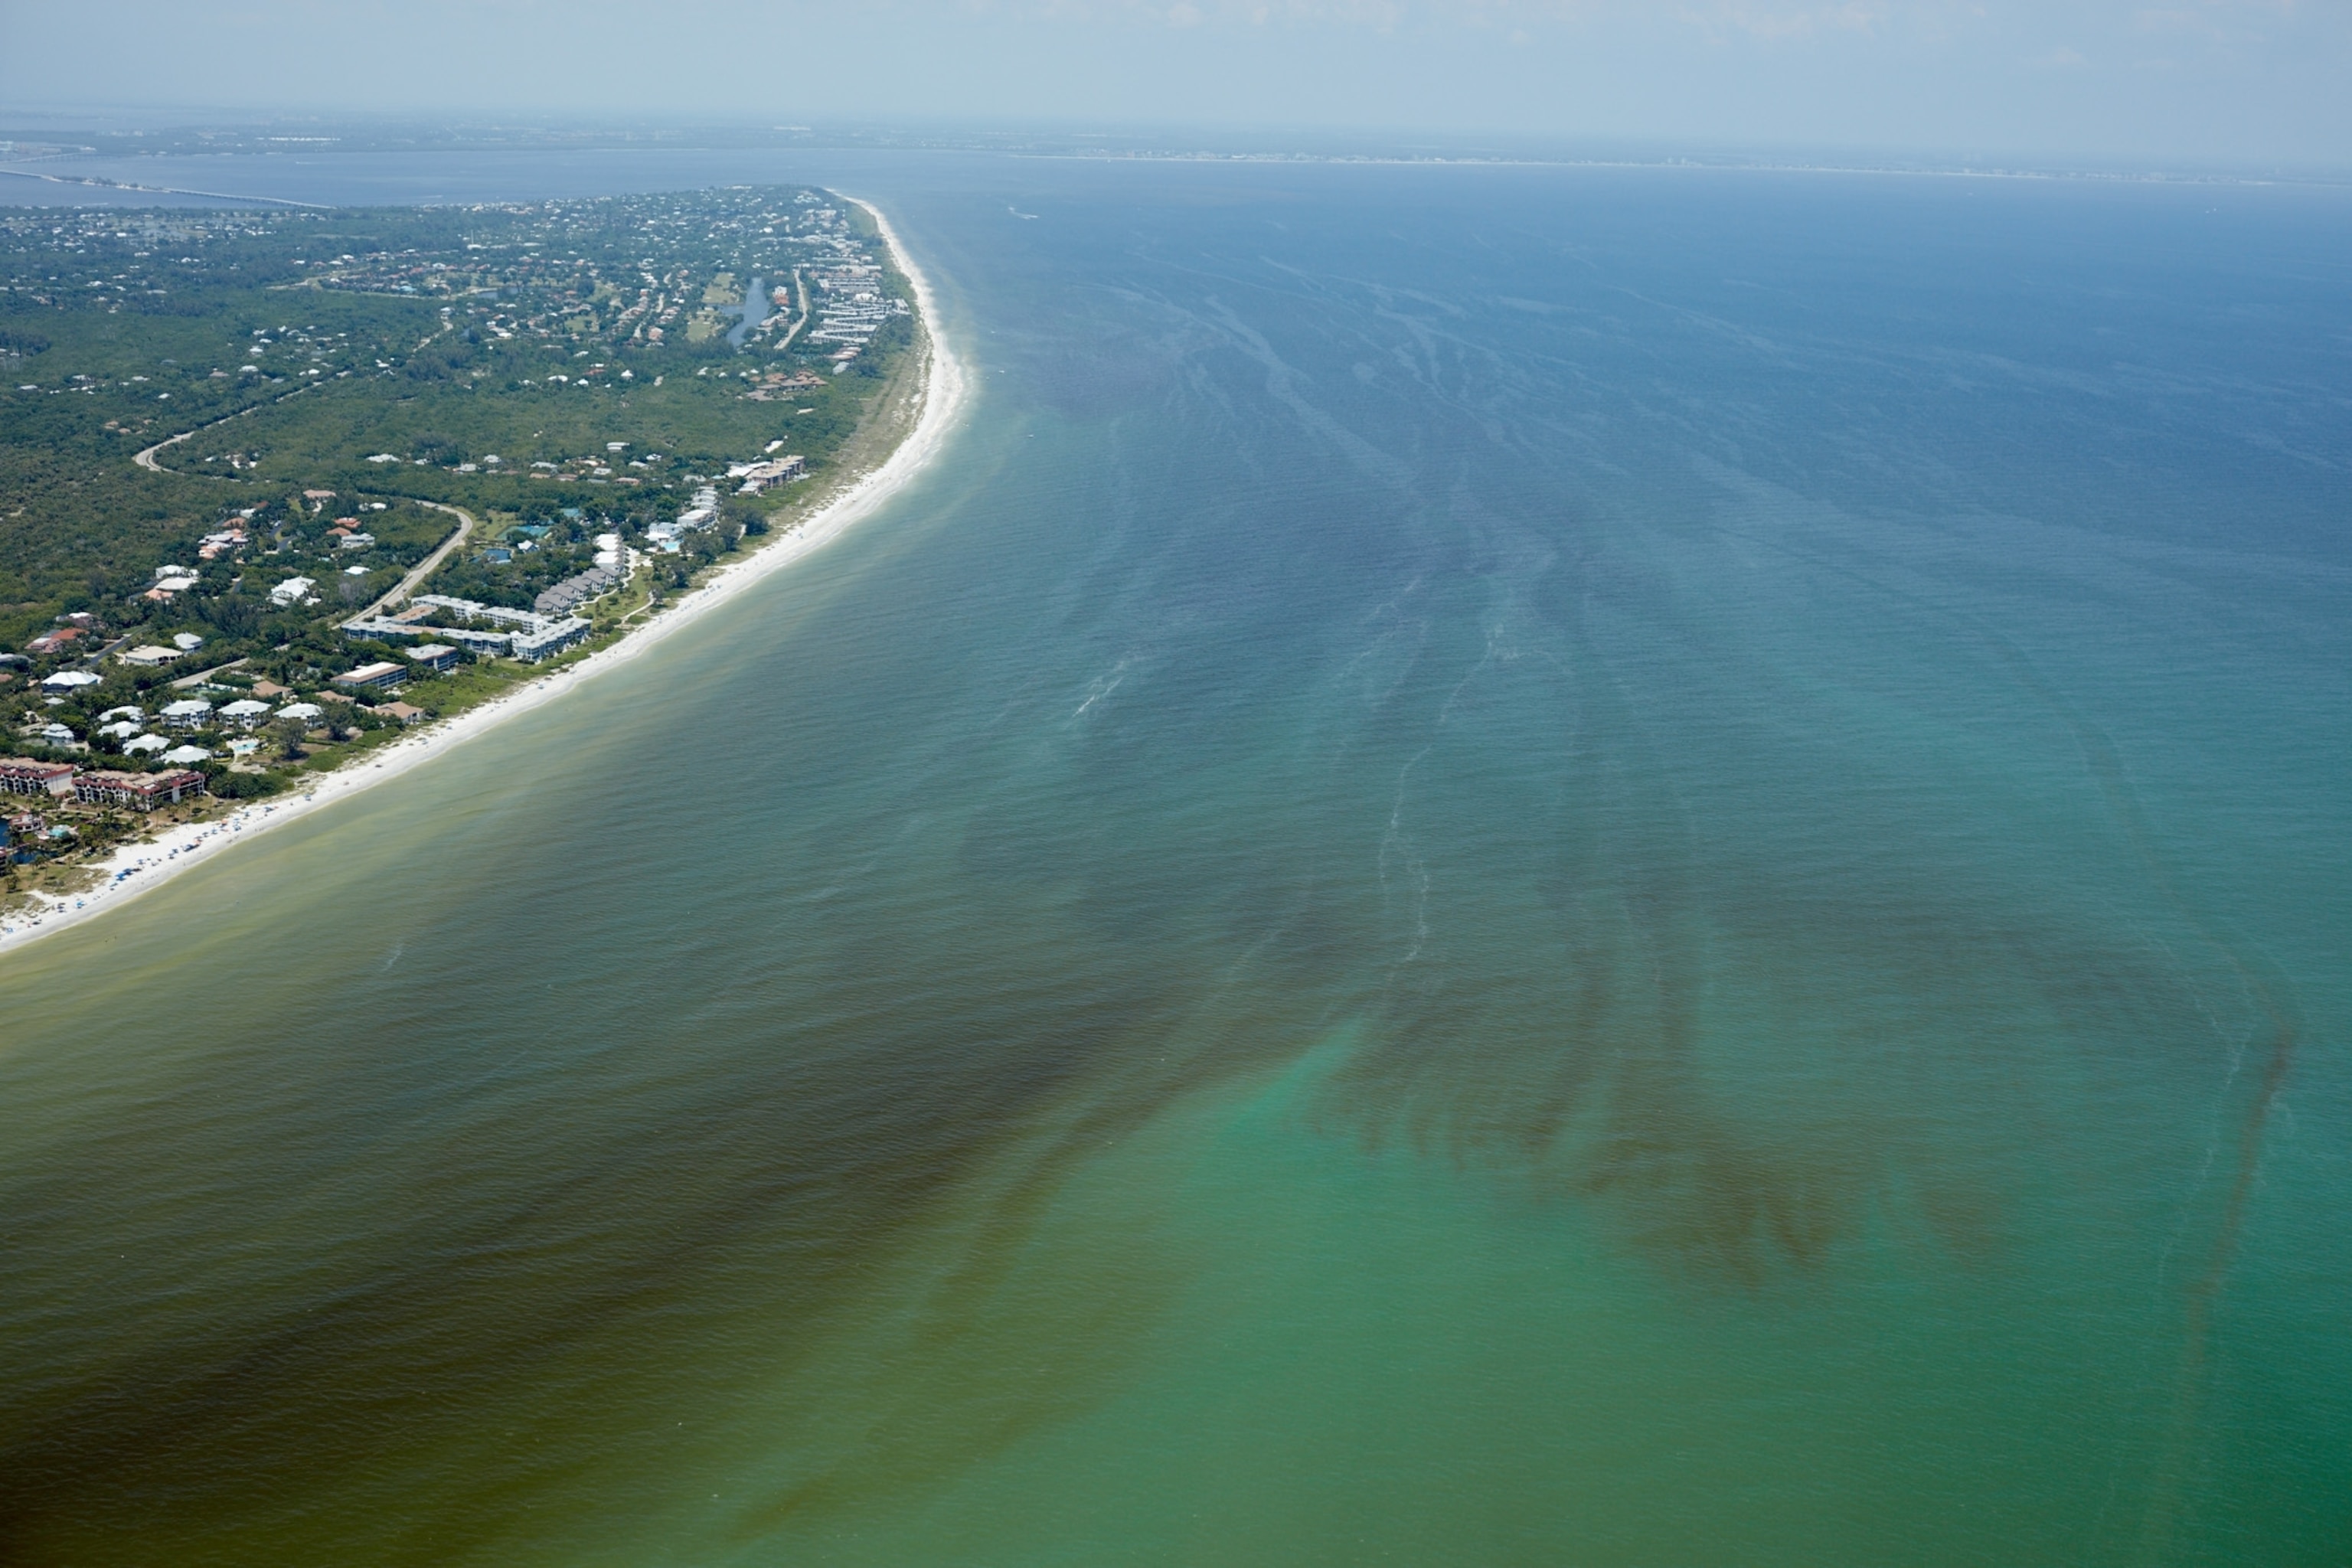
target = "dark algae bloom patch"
x: 1505, y: 865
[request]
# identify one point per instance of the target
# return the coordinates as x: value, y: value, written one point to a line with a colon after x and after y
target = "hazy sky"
x: 2260, y: 80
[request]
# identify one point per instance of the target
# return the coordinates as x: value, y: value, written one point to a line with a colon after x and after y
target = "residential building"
x: 382, y: 630
x: 497, y: 613
x: 757, y: 476
x: 141, y: 791
x: 382, y: 676
x: 187, y: 713
x: 245, y: 712
x: 702, y: 514
x: 24, y: 831
x: 530, y: 646
x: 435, y: 656
x: 575, y: 590
x: 22, y: 775
x: 379, y: 629
x: 468, y: 637
x: 53, y: 642
x: 213, y: 545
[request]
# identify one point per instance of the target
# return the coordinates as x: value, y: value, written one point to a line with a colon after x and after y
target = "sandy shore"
x: 136, y: 867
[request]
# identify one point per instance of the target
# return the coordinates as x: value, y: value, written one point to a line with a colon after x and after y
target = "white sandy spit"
x: 135, y: 867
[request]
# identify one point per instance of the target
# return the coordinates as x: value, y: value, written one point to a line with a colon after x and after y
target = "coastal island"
x: 291, y: 499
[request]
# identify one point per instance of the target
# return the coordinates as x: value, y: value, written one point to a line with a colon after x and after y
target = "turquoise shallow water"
x: 1512, y: 866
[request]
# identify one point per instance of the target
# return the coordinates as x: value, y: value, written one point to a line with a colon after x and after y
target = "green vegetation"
x: 328, y: 375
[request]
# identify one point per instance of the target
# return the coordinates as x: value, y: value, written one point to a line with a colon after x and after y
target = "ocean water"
x: 1510, y: 865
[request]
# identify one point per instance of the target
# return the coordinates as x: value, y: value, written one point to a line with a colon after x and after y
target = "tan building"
x: 22, y: 775
x: 141, y: 791
x: 383, y: 675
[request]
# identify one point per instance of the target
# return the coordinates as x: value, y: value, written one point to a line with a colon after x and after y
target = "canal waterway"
x: 752, y: 314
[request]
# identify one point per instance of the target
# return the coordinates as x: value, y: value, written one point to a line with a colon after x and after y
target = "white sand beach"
x: 136, y: 867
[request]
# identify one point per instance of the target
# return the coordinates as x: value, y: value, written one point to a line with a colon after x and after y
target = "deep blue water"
x: 1511, y: 865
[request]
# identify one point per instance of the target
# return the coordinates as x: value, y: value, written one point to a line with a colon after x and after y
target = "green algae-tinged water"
x: 1513, y: 866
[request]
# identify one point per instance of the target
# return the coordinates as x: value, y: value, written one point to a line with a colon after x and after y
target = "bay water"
x: 1508, y: 865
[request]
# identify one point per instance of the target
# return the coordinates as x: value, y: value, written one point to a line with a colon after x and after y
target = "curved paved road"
x: 146, y: 458
x: 423, y: 569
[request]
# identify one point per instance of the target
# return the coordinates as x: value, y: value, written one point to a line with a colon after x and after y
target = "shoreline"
x: 940, y: 385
